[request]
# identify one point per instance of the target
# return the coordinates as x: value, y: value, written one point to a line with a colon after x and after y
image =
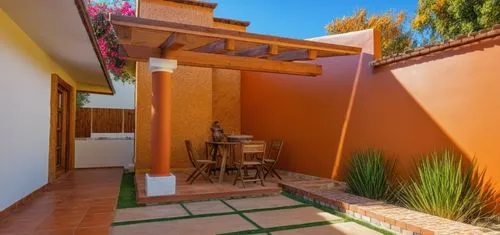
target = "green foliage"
x: 444, y: 19
x: 443, y: 186
x: 394, y: 38
x: 82, y: 98
x: 369, y: 174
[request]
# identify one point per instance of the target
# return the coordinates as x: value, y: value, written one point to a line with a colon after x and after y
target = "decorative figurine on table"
x: 217, y: 132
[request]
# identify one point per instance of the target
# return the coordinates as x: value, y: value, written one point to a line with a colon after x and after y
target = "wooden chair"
x: 202, y: 166
x: 250, y: 149
x: 272, y: 157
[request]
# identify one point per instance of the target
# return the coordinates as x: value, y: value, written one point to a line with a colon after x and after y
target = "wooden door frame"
x: 70, y: 161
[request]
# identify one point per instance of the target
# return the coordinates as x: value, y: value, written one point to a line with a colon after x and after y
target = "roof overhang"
x: 200, y: 46
x: 63, y: 30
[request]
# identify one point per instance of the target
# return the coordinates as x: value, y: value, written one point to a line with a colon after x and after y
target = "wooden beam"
x: 260, y: 51
x: 173, y: 42
x: 303, y: 54
x: 196, y: 30
x: 219, y: 46
x: 189, y: 58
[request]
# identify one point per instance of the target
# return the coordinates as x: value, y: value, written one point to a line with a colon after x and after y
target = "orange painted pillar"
x: 162, y: 70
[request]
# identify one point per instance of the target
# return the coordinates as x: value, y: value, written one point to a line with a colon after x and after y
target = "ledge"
x: 232, y: 21
x: 195, y: 3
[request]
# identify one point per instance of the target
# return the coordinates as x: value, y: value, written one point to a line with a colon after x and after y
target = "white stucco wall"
x: 123, y: 98
x: 114, y: 151
x: 103, y: 153
x: 25, y: 116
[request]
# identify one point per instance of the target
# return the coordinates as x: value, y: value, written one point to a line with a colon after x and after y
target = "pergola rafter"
x: 192, y: 45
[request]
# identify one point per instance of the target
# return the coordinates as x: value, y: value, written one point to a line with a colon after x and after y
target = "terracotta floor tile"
x: 56, y: 232
x: 60, y: 222
x: 101, y: 230
x: 150, y: 212
x: 284, y: 217
x: 349, y: 228
x: 261, y: 202
x: 64, y: 205
x: 97, y: 219
x: 206, y: 225
x: 207, y: 207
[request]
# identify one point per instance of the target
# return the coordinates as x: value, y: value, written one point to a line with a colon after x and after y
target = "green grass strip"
x: 285, y: 227
x: 126, y: 197
x: 337, y: 213
x: 186, y: 209
x: 242, y: 215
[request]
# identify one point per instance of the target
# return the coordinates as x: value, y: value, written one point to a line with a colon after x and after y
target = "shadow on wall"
x: 306, y: 112
x: 309, y: 114
x: 447, y: 99
x: 406, y: 109
x: 385, y: 116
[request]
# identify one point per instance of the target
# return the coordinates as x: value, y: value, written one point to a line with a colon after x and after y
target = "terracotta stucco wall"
x: 306, y: 112
x: 191, y: 90
x: 443, y: 100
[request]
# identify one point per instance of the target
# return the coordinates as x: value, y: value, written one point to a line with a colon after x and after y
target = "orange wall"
x: 446, y: 99
x: 306, y: 112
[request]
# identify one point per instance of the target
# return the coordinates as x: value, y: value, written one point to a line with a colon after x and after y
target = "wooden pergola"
x: 198, y: 46
x: 166, y: 44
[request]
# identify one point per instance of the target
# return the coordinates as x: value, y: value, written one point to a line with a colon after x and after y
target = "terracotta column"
x: 162, y: 70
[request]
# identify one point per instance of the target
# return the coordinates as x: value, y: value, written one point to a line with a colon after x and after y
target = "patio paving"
x: 150, y: 212
x: 261, y: 202
x: 82, y: 202
x: 262, y: 215
x: 207, y: 207
x: 206, y: 225
x: 275, y: 218
x: 349, y: 228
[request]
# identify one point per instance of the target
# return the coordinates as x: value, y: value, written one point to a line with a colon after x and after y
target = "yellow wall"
x: 26, y: 92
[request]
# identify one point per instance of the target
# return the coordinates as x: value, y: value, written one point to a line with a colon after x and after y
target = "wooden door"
x: 62, y: 129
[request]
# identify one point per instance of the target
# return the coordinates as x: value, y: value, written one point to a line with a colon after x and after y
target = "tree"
x: 445, y: 19
x: 394, y: 38
x: 106, y: 36
x: 82, y: 98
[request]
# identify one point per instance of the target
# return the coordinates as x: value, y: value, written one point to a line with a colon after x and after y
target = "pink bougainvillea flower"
x: 106, y: 37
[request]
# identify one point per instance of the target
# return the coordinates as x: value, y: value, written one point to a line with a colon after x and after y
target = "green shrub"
x: 444, y: 187
x: 369, y: 174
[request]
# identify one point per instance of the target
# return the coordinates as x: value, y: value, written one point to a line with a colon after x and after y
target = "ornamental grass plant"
x: 369, y: 175
x: 444, y: 186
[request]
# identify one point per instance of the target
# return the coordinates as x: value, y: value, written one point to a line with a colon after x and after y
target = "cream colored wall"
x: 24, y: 129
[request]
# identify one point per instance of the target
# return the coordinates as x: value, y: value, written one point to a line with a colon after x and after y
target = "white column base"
x: 160, y: 185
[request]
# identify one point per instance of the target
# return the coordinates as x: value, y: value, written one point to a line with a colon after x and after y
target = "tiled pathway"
x: 83, y: 202
x: 263, y: 215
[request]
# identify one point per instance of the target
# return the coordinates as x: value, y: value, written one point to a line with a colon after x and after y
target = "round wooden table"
x: 225, y: 149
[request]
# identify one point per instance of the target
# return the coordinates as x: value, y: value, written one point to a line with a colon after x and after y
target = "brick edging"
x: 377, y: 214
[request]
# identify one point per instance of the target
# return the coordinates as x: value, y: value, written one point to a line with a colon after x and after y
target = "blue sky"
x: 301, y: 18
